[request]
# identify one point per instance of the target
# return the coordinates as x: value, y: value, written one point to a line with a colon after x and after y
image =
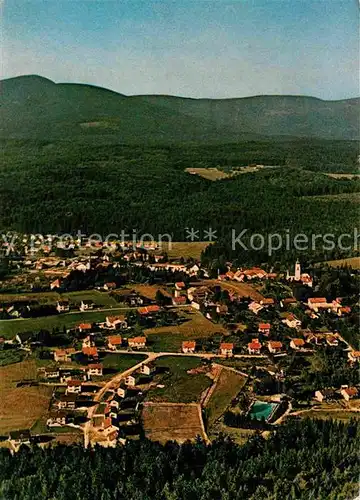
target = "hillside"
x: 35, y: 107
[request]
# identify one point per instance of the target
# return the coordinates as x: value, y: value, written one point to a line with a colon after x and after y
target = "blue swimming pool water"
x: 260, y: 409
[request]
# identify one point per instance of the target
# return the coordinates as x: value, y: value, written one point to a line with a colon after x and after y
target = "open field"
x: 180, y: 386
x: 21, y: 407
x: 240, y: 436
x: 195, y: 326
x: 121, y: 362
x: 211, y: 173
x: 227, y: 387
x: 185, y: 249
x: 242, y: 289
x: 148, y: 291
x: 343, y: 176
x: 10, y: 327
x: 99, y: 298
x: 164, y: 422
x: 354, y: 262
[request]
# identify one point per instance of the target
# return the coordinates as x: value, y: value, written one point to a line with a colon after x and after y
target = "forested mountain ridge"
x: 35, y: 107
x: 300, y: 460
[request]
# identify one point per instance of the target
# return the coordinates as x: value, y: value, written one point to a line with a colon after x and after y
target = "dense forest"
x: 300, y: 460
x: 66, y: 187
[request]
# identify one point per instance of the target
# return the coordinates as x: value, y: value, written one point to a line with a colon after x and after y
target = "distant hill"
x: 35, y: 107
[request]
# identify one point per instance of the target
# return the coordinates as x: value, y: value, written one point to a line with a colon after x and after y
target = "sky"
x: 199, y: 48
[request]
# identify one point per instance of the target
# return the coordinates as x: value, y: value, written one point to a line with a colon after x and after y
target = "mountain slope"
x: 35, y: 107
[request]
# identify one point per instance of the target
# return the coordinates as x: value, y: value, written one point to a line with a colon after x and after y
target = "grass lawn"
x: 180, y: 387
x: 10, y: 327
x: 194, y: 326
x: 21, y: 407
x: 185, y: 249
x: 99, y: 298
x: 227, y: 387
x: 148, y: 291
x: 178, y: 422
x: 240, y: 436
x: 121, y: 362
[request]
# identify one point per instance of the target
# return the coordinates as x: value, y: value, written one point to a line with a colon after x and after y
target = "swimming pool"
x: 261, y: 409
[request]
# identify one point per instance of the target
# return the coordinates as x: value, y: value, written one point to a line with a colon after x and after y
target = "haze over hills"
x: 35, y: 107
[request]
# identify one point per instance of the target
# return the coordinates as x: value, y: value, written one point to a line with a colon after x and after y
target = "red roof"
x: 189, y: 344
x: 74, y: 383
x: 351, y: 391
x: 115, y: 340
x: 317, y: 300
x: 95, y: 366
x: 355, y: 354
x: 226, y: 347
x: 180, y: 284
x: 274, y: 344
x: 137, y: 340
x: 85, y: 326
x: 264, y: 326
x: 179, y: 300
x: 90, y: 351
x: 298, y: 342
x: 254, y: 345
x: 148, y: 309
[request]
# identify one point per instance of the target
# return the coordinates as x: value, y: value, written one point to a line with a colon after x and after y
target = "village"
x: 118, y: 342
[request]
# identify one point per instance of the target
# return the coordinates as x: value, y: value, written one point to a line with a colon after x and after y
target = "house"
x: 255, y: 307
x: 196, y: 304
x: 67, y: 401
x: 180, y: 285
x: 254, y: 347
x: 290, y: 301
x: 178, y: 301
x: 56, y: 418
x: 85, y: 327
x: 188, y: 346
x: 90, y: 352
x: 51, y: 373
x: 17, y: 438
x: 73, y: 387
x: 349, y: 393
x: 354, y: 356
x: 88, y: 341
x: 222, y: 309
x: 264, y: 328
x: 62, y: 306
x: 148, y: 369
x: 94, y: 369
x: 24, y: 338
x: 146, y: 311
x: 86, y: 305
x: 297, y: 344
x: 114, y: 342
x: 325, y: 395
x: 63, y: 355
x: 121, y: 391
x: 255, y: 273
x: 109, y: 286
x: 226, y: 349
x: 55, y: 284
x: 344, y: 310
x: 131, y: 380
x: 137, y: 342
x: 291, y: 321
x: 274, y: 346
x: 332, y: 340
x: 266, y: 302
x: 115, y: 322
x: 320, y: 303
